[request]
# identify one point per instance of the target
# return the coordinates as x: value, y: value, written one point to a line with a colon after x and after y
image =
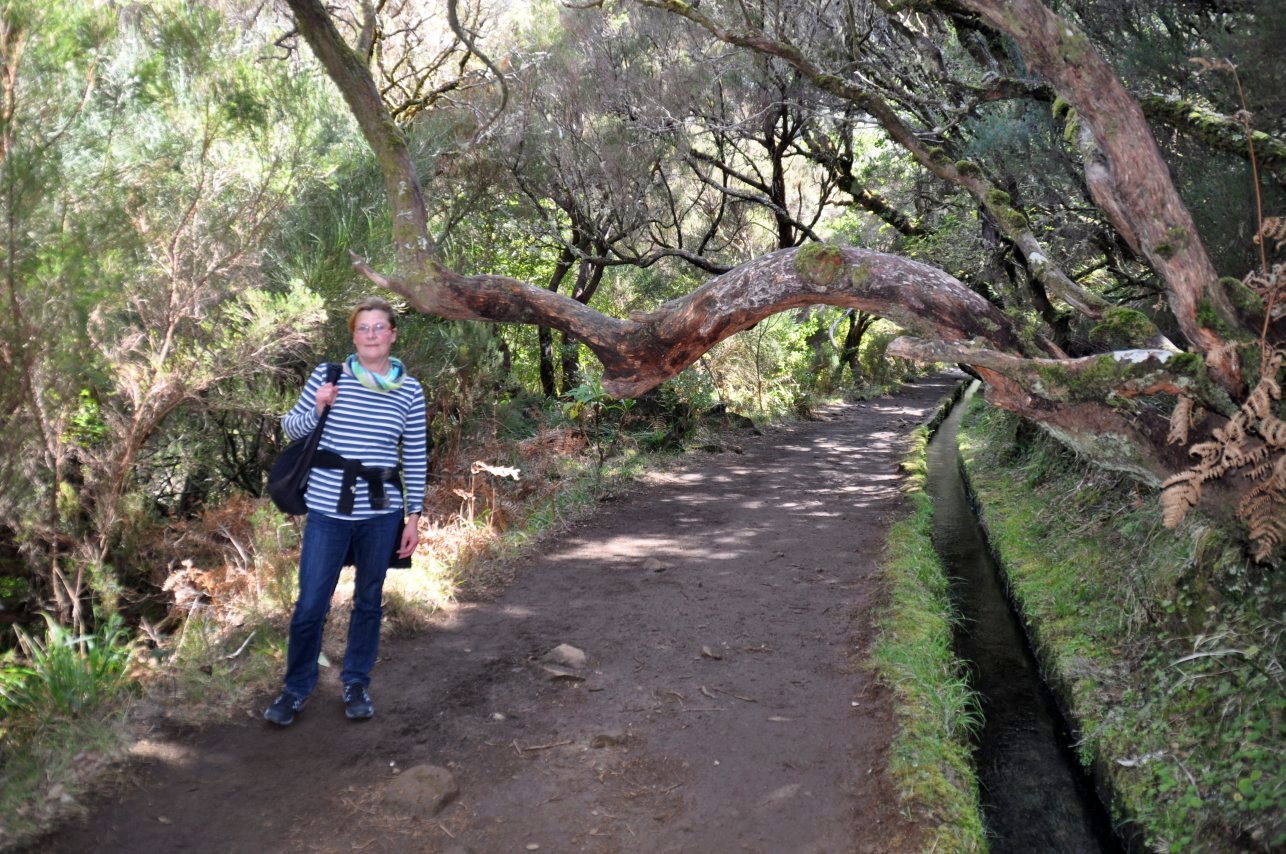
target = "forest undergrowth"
x: 227, y: 578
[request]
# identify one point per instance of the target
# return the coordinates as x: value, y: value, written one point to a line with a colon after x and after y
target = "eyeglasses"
x: 378, y: 329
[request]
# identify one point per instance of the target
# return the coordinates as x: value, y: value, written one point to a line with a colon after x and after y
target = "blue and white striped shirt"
x: 364, y: 425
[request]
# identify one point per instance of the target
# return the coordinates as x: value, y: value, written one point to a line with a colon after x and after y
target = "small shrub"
x: 63, y: 675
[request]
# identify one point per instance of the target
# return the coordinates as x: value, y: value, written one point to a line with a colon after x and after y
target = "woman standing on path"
x: 376, y: 407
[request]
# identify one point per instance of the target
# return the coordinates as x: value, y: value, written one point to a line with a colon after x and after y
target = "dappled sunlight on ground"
x: 169, y: 752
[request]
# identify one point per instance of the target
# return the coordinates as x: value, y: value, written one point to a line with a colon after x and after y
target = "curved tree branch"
x: 1088, y: 403
x: 648, y: 348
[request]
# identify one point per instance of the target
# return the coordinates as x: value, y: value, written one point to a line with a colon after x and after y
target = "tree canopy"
x: 1100, y: 313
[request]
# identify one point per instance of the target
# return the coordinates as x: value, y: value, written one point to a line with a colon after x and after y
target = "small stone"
x: 422, y: 791
x: 612, y: 738
x: 781, y: 795
x: 653, y: 565
x: 562, y: 673
x: 566, y: 655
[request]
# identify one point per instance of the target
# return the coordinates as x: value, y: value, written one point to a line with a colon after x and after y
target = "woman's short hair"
x: 372, y: 304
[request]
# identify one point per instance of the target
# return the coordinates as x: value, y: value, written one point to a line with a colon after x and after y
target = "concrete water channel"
x: 1036, y: 798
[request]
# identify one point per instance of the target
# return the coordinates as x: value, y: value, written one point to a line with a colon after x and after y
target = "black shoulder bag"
x: 288, y: 477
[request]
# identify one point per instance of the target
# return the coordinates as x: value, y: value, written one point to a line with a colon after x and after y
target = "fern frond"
x: 1232, y: 432
x: 1274, y: 431
x: 1273, y: 229
x: 1208, y: 452
x: 1260, y: 402
x: 1261, y: 508
x: 1180, y: 421
x: 1179, y: 494
x: 1261, y: 470
x: 1257, y: 456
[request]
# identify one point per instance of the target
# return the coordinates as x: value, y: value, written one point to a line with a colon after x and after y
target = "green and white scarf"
x: 377, y: 382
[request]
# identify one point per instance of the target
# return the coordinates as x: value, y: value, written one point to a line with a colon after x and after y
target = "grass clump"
x: 1164, y: 646
x: 61, y: 696
x: 938, y: 712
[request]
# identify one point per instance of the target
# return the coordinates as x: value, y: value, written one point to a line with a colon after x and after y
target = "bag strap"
x: 333, y: 370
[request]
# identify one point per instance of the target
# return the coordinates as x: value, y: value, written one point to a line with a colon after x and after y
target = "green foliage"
x: 63, y: 675
x: 148, y: 155
x: 878, y: 368
x: 592, y: 410
x: 87, y: 426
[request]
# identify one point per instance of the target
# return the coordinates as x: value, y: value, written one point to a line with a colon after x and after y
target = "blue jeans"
x: 326, y: 541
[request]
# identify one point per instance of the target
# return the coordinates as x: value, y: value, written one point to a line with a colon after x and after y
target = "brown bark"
x: 1128, y: 178
x: 645, y: 350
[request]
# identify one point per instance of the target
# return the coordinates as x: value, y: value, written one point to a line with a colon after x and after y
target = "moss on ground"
x: 1165, y: 645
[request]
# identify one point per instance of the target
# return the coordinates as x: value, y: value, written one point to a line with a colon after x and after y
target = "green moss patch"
x: 1122, y: 329
x: 820, y: 263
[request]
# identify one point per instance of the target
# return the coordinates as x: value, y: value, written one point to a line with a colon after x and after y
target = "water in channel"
x: 1035, y: 796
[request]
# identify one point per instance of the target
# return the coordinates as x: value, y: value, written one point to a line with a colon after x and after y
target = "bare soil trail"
x: 724, y: 608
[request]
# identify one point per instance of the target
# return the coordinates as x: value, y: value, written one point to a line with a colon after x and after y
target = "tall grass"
x: 63, y: 675
x: 60, y: 696
x: 938, y: 712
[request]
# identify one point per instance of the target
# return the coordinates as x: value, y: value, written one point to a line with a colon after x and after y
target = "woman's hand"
x: 410, y: 535
x: 326, y: 396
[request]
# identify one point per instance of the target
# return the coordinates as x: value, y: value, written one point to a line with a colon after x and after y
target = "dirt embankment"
x: 723, y: 609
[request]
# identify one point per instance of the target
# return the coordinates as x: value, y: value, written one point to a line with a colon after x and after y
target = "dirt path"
x: 723, y: 608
